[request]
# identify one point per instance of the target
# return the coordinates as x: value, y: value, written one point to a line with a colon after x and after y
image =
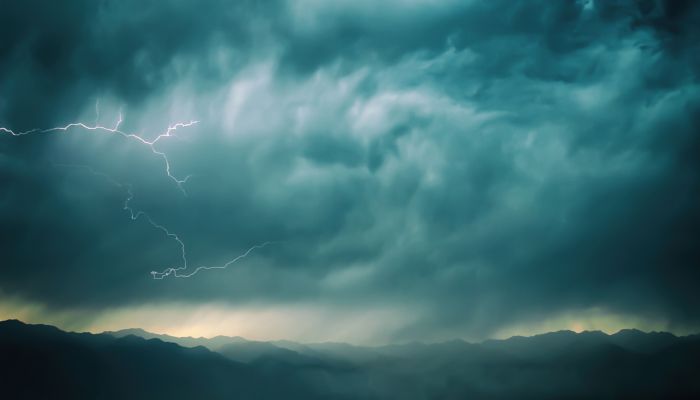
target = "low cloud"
x: 486, y: 163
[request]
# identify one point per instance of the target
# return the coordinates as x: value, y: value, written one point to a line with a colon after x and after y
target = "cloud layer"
x: 469, y: 165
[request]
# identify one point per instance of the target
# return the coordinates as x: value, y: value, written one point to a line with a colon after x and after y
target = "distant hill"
x: 44, y: 362
x: 211, y: 343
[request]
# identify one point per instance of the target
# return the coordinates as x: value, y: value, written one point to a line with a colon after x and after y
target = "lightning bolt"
x: 136, y: 214
x: 177, y: 272
x: 116, y: 131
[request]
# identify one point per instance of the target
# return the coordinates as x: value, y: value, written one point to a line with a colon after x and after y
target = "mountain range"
x: 41, y: 361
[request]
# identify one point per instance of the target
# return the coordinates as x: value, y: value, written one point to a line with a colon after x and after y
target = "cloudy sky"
x: 425, y: 170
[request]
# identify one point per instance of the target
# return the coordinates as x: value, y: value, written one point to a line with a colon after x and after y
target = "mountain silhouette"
x: 44, y: 362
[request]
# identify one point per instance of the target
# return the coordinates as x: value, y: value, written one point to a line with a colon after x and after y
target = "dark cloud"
x: 489, y: 162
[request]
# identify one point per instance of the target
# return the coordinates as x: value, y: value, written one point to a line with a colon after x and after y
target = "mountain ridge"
x: 286, y: 342
x: 43, y: 361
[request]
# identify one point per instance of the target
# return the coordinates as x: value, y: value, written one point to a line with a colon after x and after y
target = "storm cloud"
x: 469, y: 165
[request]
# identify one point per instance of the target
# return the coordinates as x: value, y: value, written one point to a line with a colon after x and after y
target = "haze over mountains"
x: 49, y: 363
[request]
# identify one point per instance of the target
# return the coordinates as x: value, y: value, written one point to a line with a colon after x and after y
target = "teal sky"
x: 422, y: 170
